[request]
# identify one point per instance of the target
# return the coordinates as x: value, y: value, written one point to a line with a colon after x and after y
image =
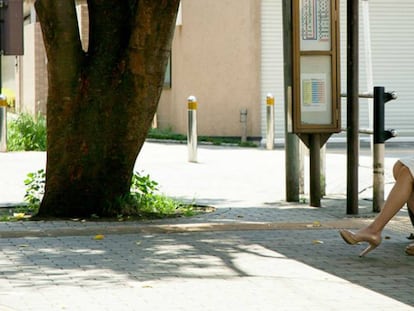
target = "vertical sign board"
x: 316, y: 76
x: 12, y: 27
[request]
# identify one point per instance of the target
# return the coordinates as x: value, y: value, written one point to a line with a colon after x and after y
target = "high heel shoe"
x: 355, y: 238
x: 409, y: 250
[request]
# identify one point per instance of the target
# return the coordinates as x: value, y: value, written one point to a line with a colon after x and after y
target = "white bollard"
x: 192, y: 129
x: 270, y: 121
x: 3, y: 123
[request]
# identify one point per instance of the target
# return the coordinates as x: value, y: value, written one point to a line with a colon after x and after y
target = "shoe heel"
x: 368, y: 249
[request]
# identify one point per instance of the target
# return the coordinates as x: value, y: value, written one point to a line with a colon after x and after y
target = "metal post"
x: 378, y: 176
x: 292, y: 158
x: 352, y: 106
x: 3, y: 123
x: 243, y: 121
x: 379, y: 149
x: 270, y: 121
x: 323, y: 170
x: 303, y: 150
x: 192, y: 129
x: 315, y: 170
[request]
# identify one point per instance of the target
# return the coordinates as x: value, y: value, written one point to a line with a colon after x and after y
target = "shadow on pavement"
x: 118, y: 260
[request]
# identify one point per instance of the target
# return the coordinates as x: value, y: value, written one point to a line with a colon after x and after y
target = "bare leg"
x: 401, y: 193
x: 410, y: 202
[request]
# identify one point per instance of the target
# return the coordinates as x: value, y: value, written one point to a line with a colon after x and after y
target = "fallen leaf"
x: 316, y: 224
x: 18, y: 216
x: 99, y: 237
x: 317, y: 242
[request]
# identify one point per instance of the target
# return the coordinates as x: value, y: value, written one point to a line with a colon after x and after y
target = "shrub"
x: 146, y: 200
x: 143, y: 199
x: 27, y: 133
x: 35, y: 189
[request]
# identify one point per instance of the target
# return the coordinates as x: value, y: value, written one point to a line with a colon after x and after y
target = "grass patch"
x: 144, y: 201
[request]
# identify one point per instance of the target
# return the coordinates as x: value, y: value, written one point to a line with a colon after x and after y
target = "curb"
x: 182, y: 228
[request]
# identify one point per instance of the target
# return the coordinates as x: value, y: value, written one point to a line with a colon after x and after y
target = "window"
x: 167, y: 77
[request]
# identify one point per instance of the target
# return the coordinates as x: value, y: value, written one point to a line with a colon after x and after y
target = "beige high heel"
x: 409, y: 250
x: 355, y: 238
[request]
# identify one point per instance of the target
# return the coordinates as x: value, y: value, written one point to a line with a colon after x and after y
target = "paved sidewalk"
x: 255, y: 252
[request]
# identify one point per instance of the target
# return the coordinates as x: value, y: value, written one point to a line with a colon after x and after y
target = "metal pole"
x: 303, y: 150
x: 3, y: 123
x: 378, y: 176
x: 192, y: 129
x: 352, y: 106
x: 315, y: 170
x: 243, y: 121
x: 270, y: 121
x: 368, y: 62
x: 323, y: 170
x: 292, y: 159
x: 3, y: 101
x: 379, y: 149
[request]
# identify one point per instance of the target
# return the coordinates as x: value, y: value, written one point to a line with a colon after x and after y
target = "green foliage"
x: 168, y: 134
x: 145, y: 197
x: 35, y: 189
x: 144, y: 200
x: 27, y: 133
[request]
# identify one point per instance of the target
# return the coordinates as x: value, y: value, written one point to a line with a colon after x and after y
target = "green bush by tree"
x: 147, y: 200
x: 27, y: 133
x: 35, y: 188
x: 143, y: 201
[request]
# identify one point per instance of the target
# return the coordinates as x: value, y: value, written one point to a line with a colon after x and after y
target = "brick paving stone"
x: 254, y: 270
x: 226, y: 260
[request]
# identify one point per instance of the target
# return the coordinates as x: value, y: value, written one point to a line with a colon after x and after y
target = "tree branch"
x: 110, y: 23
x: 61, y: 37
x: 164, y: 12
x: 157, y: 34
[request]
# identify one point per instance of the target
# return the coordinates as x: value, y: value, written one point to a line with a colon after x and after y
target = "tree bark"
x: 101, y: 102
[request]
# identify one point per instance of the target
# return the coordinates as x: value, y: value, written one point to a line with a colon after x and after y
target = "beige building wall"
x: 215, y: 57
x: 33, y: 70
x: 27, y: 71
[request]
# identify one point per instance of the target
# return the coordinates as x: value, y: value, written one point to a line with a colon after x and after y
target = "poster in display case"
x: 316, y: 80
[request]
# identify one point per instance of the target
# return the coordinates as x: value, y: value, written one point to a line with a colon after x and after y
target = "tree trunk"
x: 101, y: 102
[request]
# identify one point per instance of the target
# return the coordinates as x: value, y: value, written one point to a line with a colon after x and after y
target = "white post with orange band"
x: 270, y: 121
x: 3, y: 123
x: 192, y: 129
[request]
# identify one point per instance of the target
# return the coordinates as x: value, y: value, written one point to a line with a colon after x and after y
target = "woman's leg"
x: 401, y: 193
x: 410, y: 202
